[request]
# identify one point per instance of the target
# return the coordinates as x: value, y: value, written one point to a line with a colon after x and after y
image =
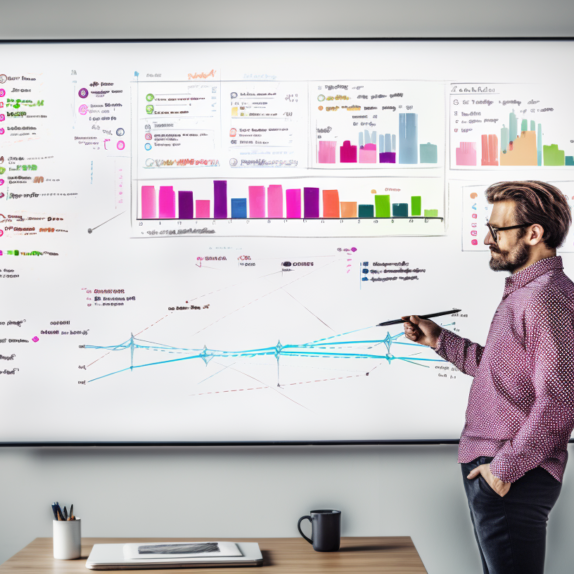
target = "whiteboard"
x: 199, y: 239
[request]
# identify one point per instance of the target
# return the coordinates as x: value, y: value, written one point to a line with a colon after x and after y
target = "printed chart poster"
x: 289, y: 207
x: 495, y: 126
x: 265, y: 124
x: 476, y: 212
x: 382, y: 125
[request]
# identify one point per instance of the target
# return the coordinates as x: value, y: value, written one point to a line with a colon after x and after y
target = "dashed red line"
x: 287, y: 385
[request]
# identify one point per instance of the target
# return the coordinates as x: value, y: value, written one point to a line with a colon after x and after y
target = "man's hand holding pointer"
x: 421, y: 331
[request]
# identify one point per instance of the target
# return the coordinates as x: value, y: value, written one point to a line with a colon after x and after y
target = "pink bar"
x: 275, y: 201
x: 466, y: 153
x: 327, y: 151
x: 368, y: 154
x: 293, y: 203
x: 202, y: 208
x: 149, y: 205
x: 348, y: 152
x: 257, y: 201
x: 166, y: 202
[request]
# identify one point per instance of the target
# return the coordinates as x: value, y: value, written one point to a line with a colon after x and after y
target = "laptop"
x: 113, y: 557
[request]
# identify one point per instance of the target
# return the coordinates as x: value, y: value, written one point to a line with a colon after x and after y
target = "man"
x: 521, y: 404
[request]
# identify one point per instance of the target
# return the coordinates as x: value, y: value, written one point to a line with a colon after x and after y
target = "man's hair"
x: 536, y: 202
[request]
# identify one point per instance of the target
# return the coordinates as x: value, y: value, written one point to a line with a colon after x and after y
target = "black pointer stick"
x: 399, y: 321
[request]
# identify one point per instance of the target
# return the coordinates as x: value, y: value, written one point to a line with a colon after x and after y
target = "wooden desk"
x: 380, y: 555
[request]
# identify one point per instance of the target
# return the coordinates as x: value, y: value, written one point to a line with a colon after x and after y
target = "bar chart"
x: 376, y: 125
x: 294, y: 201
x: 407, y: 152
x: 509, y: 126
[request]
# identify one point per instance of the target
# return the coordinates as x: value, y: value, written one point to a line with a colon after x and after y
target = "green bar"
x: 382, y: 205
x: 366, y: 211
x: 553, y: 155
x: 416, y: 205
x: 431, y: 212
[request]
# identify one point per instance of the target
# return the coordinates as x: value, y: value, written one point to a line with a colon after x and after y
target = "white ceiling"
x: 229, y: 19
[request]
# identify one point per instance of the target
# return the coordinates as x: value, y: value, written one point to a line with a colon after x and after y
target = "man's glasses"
x: 494, y: 230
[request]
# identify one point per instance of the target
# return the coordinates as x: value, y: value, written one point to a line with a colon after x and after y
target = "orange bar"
x: 330, y: 203
x: 348, y: 209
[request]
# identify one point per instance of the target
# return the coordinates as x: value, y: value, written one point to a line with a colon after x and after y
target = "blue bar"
x: 238, y: 208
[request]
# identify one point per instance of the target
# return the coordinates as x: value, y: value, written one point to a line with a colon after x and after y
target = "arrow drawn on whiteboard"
x: 94, y: 228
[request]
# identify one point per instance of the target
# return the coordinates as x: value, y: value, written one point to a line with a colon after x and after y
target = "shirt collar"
x: 532, y: 272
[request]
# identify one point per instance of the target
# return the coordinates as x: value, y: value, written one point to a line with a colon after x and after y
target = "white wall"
x: 257, y: 492
x: 77, y: 19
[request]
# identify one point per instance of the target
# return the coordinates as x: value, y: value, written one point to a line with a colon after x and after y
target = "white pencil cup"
x: 67, y: 539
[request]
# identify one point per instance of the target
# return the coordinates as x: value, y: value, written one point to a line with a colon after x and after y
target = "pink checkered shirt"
x: 521, y: 403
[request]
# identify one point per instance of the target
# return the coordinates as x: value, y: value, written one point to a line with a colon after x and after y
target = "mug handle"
x: 299, y: 528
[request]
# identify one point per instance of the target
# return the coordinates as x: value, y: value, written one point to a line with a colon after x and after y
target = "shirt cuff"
x: 504, y: 472
x: 439, y: 341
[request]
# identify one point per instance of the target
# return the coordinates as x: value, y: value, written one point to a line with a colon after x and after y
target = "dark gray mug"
x: 326, y: 534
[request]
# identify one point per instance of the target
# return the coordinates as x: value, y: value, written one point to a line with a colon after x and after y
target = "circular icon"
x: 2, y: 170
x: 1, y: 182
x: 149, y: 162
x: 149, y: 97
x: 321, y: 98
x: 320, y: 108
x: 148, y: 136
x: 147, y: 146
x: 1, y: 159
x: 1, y: 232
x: 83, y: 93
x: 2, y: 117
x: 83, y: 109
x: 232, y: 132
x: 233, y: 95
x: 2, y: 93
x: 232, y: 162
x: 3, y: 78
x: 1, y: 131
x: 121, y: 145
x: 120, y: 132
x: 149, y: 109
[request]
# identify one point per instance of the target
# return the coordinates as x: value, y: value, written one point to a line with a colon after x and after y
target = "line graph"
x: 341, y: 346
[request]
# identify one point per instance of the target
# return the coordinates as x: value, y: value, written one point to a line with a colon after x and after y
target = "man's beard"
x: 509, y: 260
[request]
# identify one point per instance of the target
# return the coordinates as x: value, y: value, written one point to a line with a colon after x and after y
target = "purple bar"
x: 166, y: 202
x: 311, y: 209
x: 220, y: 199
x: 293, y: 203
x: 388, y: 157
x: 185, y: 204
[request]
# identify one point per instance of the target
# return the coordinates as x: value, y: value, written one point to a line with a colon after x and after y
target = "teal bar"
x: 366, y: 211
x: 400, y: 209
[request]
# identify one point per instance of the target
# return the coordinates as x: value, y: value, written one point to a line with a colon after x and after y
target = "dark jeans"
x: 511, y: 530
